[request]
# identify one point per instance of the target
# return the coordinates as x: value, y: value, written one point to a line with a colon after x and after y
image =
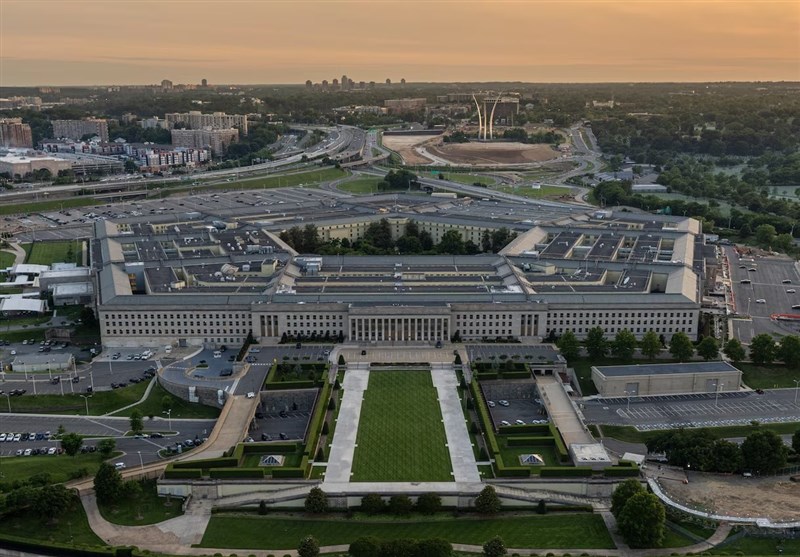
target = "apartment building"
x: 13, y: 133
x: 217, y: 140
x: 76, y: 129
x: 196, y: 120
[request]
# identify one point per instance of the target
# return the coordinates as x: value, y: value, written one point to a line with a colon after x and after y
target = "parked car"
x: 504, y: 422
x: 503, y: 403
x: 490, y: 403
x: 119, y: 465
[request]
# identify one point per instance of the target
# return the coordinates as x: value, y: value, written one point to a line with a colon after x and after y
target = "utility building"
x: 666, y: 379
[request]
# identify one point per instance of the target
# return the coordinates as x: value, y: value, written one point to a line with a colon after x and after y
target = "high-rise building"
x: 395, y: 106
x: 13, y: 133
x: 388, y: 81
x: 204, y: 82
x: 215, y: 140
x: 402, y: 81
x: 76, y: 129
x: 166, y: 84
x: 324, y: 83
x: 335, y: 83
x: 196, y: 120
x: 345, y: 83
x: 309, y: 84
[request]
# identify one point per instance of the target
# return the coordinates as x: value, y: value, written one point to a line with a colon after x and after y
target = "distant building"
x: 129, y: 118
x: 388, y: 81
x: 309, y: 84
x: 395, y: 106
x: 217, y: 140
x: 13, y: 133
x: 21, y: 102
x: 204, y: 82
x: 160, y: 157
x: 76, y: 129
x: 402, y: 81
x: 166, y: 84
x: 196, y: 120
x: 648, y: 188
x: 18, y: 166
x: 153, y: 122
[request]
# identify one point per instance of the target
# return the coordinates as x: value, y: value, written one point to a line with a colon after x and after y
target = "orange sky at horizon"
x: 264, y: 41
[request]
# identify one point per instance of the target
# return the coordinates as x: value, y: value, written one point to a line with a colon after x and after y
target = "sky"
x: 86, y: 42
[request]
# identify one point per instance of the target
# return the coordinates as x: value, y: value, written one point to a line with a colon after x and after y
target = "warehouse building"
x: 666, y: 379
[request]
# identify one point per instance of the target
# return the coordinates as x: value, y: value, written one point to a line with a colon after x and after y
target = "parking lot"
x: 695, y: 410
x: 269, y: 427
x: 485, y: 352
x: 767, y: 284
x: 524, y: 410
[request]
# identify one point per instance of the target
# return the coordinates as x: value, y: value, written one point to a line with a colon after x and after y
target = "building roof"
x: 666, y: 369
x: 22, y: 304
x: 44, y: 358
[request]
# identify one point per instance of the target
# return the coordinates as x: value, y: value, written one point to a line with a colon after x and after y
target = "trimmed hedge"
x: 53, y: 548
x: 488, y: 375
x: 288, y: 473
x: 561, y: 449
x: 317, y: 419
x: 286, y: 385
x: 503, y: 471
x: 566, y: 472
x: 183, y: 474
x: 237, y: 473
x: 621, y: 471
x: 525, y: 374
x: 485, y: 419
x: 530, y: 442
x: 528, y: 429
x: 222, y: 462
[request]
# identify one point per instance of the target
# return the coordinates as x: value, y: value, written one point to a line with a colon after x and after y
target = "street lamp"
x: 169, y: 418
x: 8, y: 396
x: 629, y: 393
x: 716, y: 398
x: 796, y: 385
x: 141, y: 462
x: 86, y: 400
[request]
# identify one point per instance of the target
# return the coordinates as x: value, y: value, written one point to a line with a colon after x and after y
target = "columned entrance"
x: 399, y: 328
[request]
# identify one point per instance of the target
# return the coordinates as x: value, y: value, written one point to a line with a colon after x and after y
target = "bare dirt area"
x: 775, y: 498
x: 404, y: 146
x: 493, y: 153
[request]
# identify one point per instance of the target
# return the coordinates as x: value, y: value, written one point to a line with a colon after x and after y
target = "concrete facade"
x: 666, y: 379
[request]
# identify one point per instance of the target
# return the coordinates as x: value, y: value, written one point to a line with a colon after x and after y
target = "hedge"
x: 524, y: 374
x: 183, y: 474
x: 286, y: 385
x: 486, y: 421
x: 288, y: 473
x: 488, y: 375
x: 564, y: 471
x: 53, y: 548
x: 237, y: 473
x: 530, y: 429
x: 222, y: 462
x: 318, y: 418
x: 561, y: 449
x: 503, y: 471
x: 620, y: 471
x: 530, y: 442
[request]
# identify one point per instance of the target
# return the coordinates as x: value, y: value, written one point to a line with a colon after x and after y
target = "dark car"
x: 156, y: 435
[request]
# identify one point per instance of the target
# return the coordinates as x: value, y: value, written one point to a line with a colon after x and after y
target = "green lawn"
x: 6, y: 259
x: 44, y: 206
x: 543, y: 191
x: 768, y: 377
x: 101, y: 402
x: 60, y: 467
x: 312, y: 177
x: 153, y: 405
x: 46, y: 253
x: 759, y: 546
x: 400, y: 434
x: 19, y: 336
x: 574, y: 531
x: 146, y: 508
x: 363, y: 186
x: 468, y: 179
x: 511, y: 455
x: 71, y: 527
x: 629, y: 433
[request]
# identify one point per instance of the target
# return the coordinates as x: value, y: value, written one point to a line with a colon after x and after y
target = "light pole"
x: 796, y: 385
x: 8, y: 396
x: 629, y: 393
x: 86, y: 400
x: 141, y: 462
x: 716, y: 398
x: 169, y: 418
x: 748, y: 305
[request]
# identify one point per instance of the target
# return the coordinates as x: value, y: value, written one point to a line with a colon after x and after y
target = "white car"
x: 790, y: 291
x: 2, y: 437
x: 17, y: 436
x: 251, y: 394
x: 503, y: 403
x: 51, y: 450
x: 504, y: 422
x: 28, y: 452
x: 13, y: 352
x: 9, y: 436
x: 519, y: 422
x: 119, y: 465
x: 761, y: 301
x: 490, y: 403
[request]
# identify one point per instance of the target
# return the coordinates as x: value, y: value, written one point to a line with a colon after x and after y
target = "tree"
x: 650, y: 345
x: 433, y: 547
x: 495, y: 547
x: 623, y: 493
x: 51, y: 501
x: 130, y: 166
x: 681, y: 347
x: 316, y: 501
x: 596, y: 344
x: 764, y: 452
x: 106, y: 447
x: 166, y: 403
x: 796, y: 441
x: 451, y: 243
x: 71, y: 443
x: 569, y: 345
x: 641, y: 521
x: 708, y: 348
x: 624, y: 345
x: 309, y: 547
x: 365, y: 547
x: 107, y: 483
x: 762, y: 349
x: 487, y: 501
x: 372, y: 503
x: 429, y: 503
x: 734, y: 350
x: 765, y: 234
x: 726, y: 457
x: 789, y: 351
x: 136, y: 421
x: 400, y: 505
x: 262, y: 507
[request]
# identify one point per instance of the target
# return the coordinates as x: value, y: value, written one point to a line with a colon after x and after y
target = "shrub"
x: 487, y: 501
x: 372, y: 504
x: 400, y: 505
x: 365, y: 547
x: 262, y: 507
x: 429, y: 503
x: 316, y: 501
x: 309, y: 547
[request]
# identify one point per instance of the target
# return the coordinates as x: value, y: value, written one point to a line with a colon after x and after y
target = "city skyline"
x: 46, y: 43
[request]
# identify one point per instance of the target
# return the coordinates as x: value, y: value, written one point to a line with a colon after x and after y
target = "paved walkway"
x: 138, y: 402
x: 340, y: 460
x: 462, y: 457
x: 562, y: 412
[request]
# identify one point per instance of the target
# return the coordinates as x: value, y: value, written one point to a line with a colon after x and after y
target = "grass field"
x: 400, y: 434
x: 153, y: 405
x: 145, y: 508
x: 100, y: 402
x: 44, y: 206
x: 768, y: 377
x: 759, y: 546
x: 543, y: 191
x: 468, y: 179
x: 60, y: 467
x: 362, y: 186
x: 284, y: 181
x: 46, y: 253
x: 629, y: 433
x: 574, y: 531
x: 71, y: 527
x: 6, y: 259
